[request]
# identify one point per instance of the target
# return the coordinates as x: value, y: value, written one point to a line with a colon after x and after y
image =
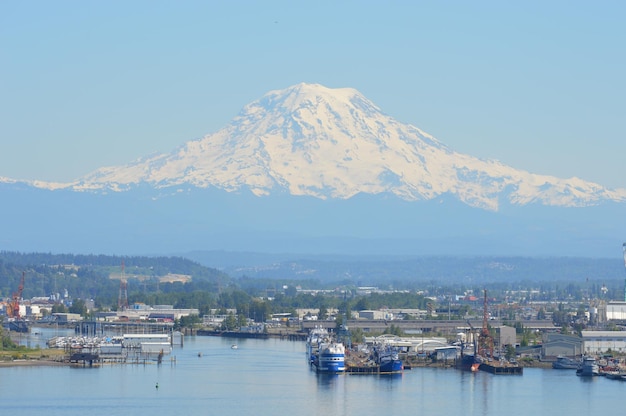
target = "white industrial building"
x: 411, y: 344
x: 600, y: 342
x: 616, y: 311
x: 375, y: 315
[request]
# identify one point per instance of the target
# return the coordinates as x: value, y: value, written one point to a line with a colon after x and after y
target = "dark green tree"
x: 78, y: 306
x: 260, y: 311
x: 5, y: 340
x: 541, y: 314
x: 230, y: 323
x: 510, y: 352
x: 59, y: 308
x: 362, y: 304
x: 323, y: 313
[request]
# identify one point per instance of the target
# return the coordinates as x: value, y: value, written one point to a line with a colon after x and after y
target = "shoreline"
x: 31, y: 363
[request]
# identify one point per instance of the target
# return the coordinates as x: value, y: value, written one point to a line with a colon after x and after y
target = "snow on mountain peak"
x: 334, y: 143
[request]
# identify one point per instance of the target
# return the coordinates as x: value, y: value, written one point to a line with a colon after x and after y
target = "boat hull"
x: 330, y: 359
x: 387, y: 359
x: 330, y: 363
x: 391, y: 366
x: 588, y: 368
x: 564, y: 363
x: 467, y: 363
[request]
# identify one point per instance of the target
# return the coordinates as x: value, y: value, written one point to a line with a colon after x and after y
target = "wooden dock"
x: 86, y: 358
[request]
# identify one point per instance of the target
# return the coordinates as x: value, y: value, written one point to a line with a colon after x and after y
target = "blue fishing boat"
x: 387, y: 359
x: 330, y: 358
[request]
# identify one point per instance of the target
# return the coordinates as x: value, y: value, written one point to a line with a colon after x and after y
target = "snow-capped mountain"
x: 335, y: 143
x: 310, y: 169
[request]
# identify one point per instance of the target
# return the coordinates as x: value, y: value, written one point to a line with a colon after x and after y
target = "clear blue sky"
x: 538, y: 85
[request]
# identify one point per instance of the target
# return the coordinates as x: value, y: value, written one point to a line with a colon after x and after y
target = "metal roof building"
x: 599, y: 342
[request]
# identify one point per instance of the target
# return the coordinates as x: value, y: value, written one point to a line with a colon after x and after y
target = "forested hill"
x: 413, y: 271
x: 89, y: 276
x: 159, y: 265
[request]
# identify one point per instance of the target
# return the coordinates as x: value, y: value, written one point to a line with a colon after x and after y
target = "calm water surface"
x: 271, y: 377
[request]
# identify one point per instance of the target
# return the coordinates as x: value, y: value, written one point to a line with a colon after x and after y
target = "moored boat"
x: 330, y: 358
x: 565, y: 363
x: 616, y: 375
x: 313, y: 341
x: 588, y: 368
x: 387, y: 359
x: 468, y: 362
x: 469, y: 359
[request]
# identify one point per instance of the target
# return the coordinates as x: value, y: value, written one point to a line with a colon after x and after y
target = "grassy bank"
x: 31, y: 354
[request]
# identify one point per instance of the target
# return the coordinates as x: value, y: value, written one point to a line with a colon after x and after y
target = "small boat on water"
x: 234, y: 347
x: 616, y: 375
x: 565, y: 363
x: 588, y: 368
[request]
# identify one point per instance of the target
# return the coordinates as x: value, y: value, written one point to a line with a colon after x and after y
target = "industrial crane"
x: 13, y: 308
x: 485, y: 340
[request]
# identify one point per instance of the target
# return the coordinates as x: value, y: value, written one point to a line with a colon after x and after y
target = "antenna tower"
x: 122, y: 299
x: 624, y: 250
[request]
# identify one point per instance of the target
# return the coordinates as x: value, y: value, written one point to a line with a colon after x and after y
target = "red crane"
x: 13, y: 309
x: 485, y: 341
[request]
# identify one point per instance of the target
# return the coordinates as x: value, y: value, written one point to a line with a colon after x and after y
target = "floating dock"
x: 233, y: 334
x: 368, y: 369
x: 497, y: 368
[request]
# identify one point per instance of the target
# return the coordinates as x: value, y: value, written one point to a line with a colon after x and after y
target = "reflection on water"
x: 328, y: 380
x: 269, y: 377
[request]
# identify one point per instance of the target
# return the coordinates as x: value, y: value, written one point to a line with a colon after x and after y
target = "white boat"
x: 331, y: 358
x: 324, y: 353
x: 565, y: 363
x: 313, y: 341
x: 588, y: 368
x: 234, y: 347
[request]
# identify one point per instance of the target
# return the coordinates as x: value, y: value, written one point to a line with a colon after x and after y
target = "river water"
x: 271, y: 377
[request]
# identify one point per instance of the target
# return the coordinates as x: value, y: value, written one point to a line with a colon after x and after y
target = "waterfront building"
x: 142, y: 312
x: 616, y: 311
x: 64, y: 318
x: 554, y: 345
x: 600, y: 342
x: 368, y: 314
x: 505, y: 335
